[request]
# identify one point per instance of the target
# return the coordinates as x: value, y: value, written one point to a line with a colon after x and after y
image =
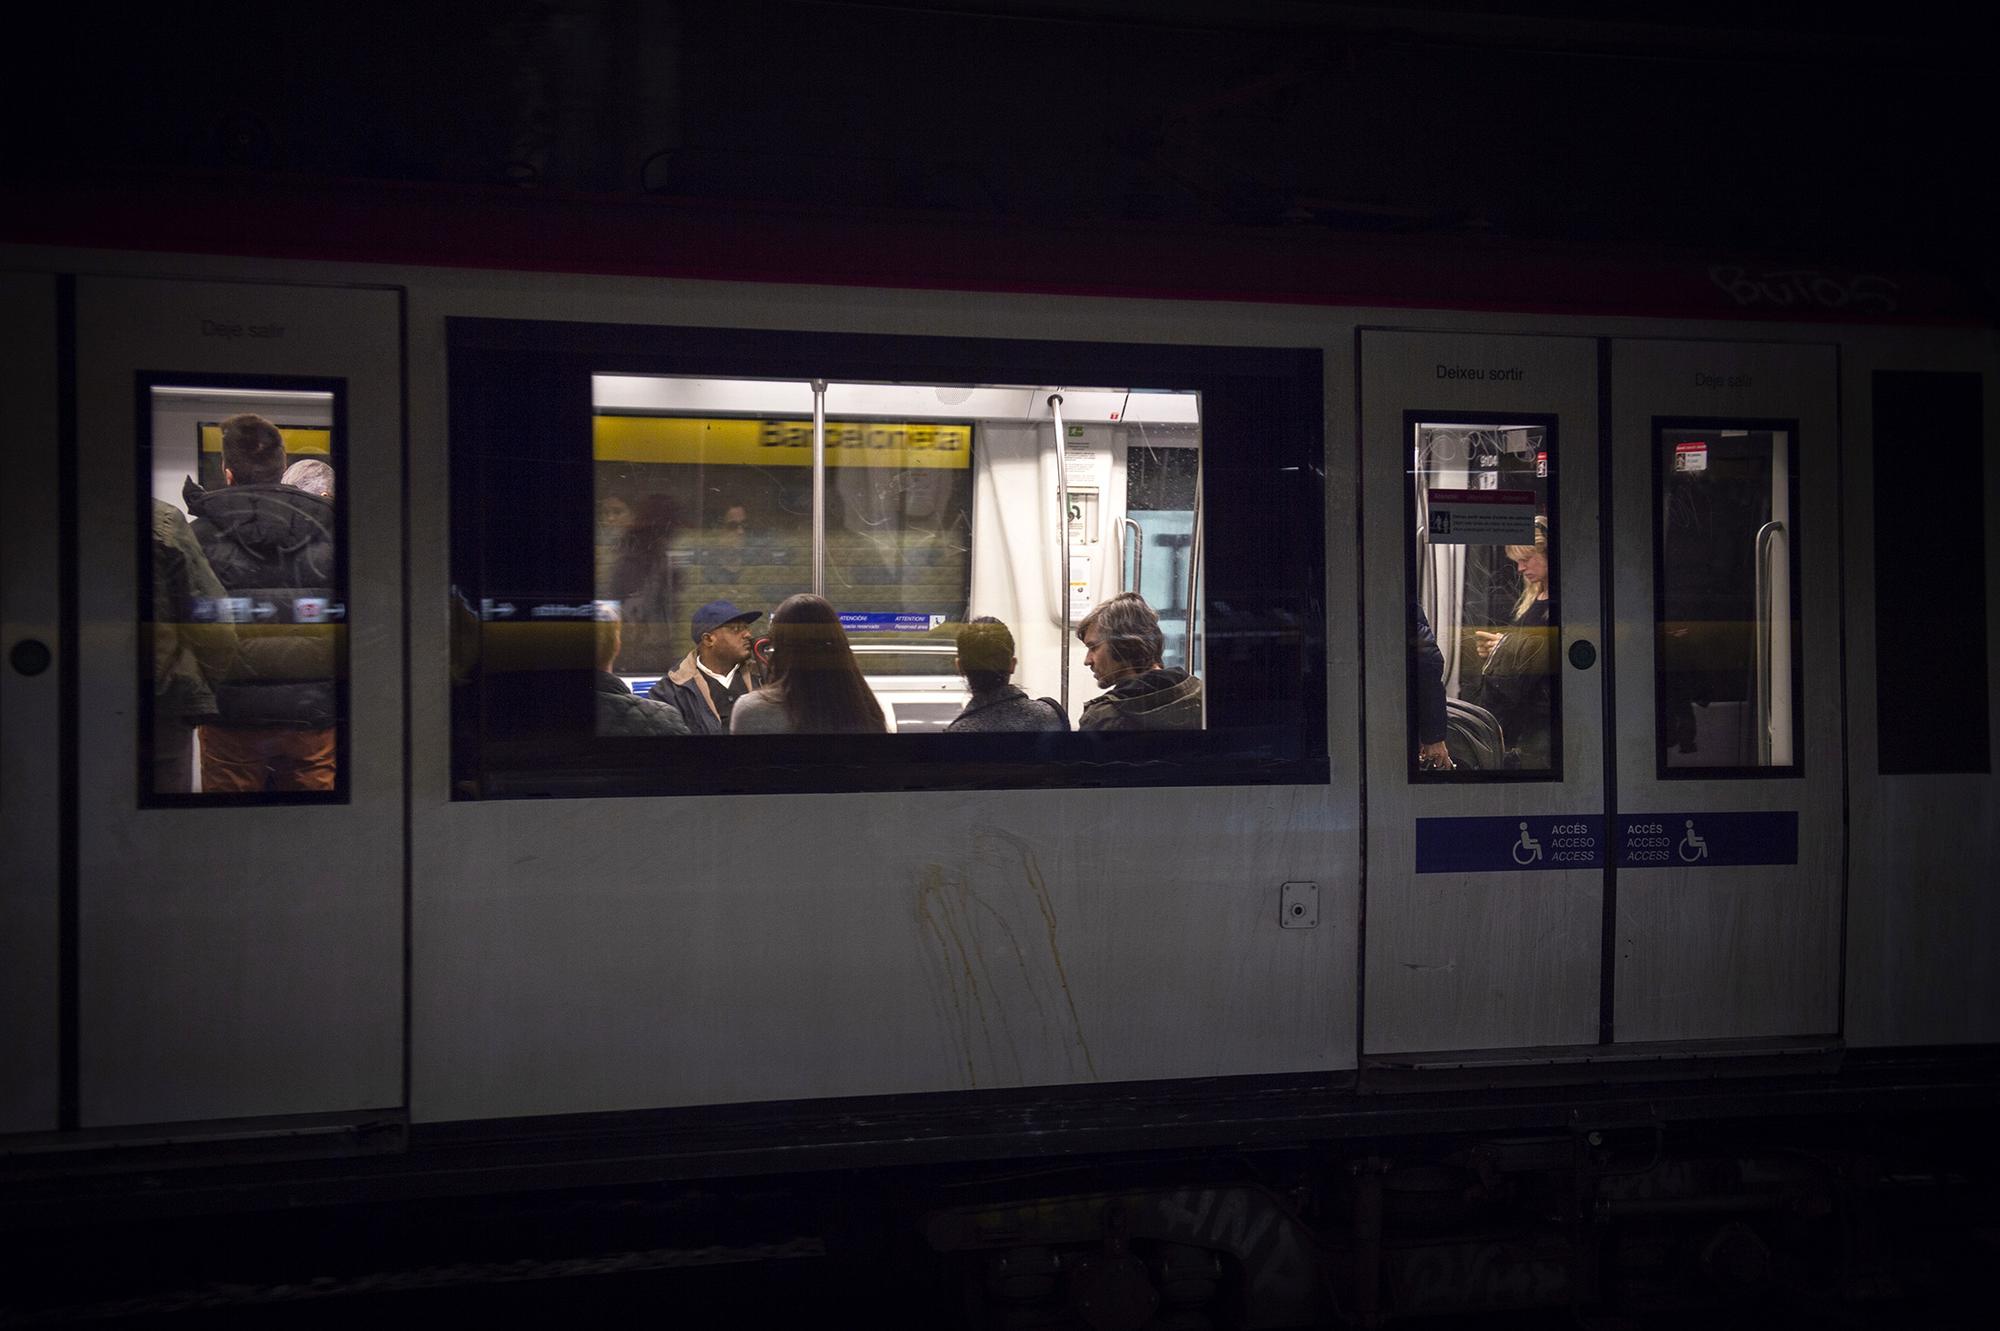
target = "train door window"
x: 679, y: 486
x: 243, y: 597
x: 1484, y: 612
x: 1727, y: 661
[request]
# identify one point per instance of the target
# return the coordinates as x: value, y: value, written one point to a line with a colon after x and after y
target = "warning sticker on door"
x: 1482, y: 517
x: 1691, y: 455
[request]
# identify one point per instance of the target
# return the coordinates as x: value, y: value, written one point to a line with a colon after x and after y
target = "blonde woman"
x: 1518, y: 663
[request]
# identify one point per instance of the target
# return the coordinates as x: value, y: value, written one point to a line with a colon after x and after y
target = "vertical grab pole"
x: 1194, y: 570
x: 1765, y: 536
x: 1062, y: 517
x: 819, y: 487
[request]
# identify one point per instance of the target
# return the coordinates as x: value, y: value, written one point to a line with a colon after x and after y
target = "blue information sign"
x: 1515, y: 844
x: 872, y: 621
x: 1706, y: 840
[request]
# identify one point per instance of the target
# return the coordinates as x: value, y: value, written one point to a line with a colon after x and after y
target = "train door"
x: 239, y: 812
x: 1485, y: 766
x: 1728, y: 827
x: 30, y: 692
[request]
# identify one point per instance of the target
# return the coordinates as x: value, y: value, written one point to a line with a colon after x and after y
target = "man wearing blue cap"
x: 720, y: 669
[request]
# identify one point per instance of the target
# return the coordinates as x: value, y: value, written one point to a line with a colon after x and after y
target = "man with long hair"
x: 1122, y: 646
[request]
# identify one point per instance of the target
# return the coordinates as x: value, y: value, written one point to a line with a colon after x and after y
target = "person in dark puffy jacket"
x: 619, y: 710
x: 1123, y: 642
x: 272, y: 547
x: 1427, y: 692
x: 986, y: 659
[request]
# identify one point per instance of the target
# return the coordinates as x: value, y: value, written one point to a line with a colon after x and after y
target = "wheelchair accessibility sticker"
x: 1495, y: 845
x: 1706, y: 840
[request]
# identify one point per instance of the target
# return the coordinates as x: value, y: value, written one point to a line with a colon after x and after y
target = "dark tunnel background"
x: 1812, y: 132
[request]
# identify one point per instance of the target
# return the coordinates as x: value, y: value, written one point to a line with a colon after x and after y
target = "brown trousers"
x: 253, y: 759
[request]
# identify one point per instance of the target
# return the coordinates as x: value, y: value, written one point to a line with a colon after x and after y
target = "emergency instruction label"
x: 1706, y: 840
x: 1482, y: 517
x: 871, y: 621
x: 1511, y: 844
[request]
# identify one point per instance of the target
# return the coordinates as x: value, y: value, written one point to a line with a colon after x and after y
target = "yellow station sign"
x: 747, y: 443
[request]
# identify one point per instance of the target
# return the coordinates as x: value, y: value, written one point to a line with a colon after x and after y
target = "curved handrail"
x: 1766, y: 535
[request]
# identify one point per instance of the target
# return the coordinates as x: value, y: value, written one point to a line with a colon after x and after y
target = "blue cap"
x: 717, y: 613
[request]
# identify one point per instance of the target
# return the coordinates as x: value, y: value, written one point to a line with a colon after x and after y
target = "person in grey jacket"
x: 1122, y: 645
x: 986, y: 659
x: 619, y: 710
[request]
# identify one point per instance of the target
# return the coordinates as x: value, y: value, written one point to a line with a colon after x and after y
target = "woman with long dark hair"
x: 815, y: 685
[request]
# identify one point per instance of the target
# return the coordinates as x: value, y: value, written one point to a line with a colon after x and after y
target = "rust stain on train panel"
x: 988, y: 981
x: 1039, y: 886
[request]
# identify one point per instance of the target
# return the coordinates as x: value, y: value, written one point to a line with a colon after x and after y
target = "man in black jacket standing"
x: 272, y: 548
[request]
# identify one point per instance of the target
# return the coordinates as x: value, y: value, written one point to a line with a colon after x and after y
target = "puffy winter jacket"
x: 272, y: 545
x: 1163, y: 699
x: 623, y: 712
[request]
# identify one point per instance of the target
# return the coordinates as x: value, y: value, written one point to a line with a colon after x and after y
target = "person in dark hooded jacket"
x: 1123, y: 643
x: 272, y: 547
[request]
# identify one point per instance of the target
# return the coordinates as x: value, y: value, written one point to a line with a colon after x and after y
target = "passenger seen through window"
x: 1122, y: 646
x: 1482, y: 617
x: 986, y: 659
x: 1519, y: 660
x: 271, y: 546
x: 815, y: 686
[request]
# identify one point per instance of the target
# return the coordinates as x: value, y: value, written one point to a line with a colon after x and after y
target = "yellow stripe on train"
x: 721, y: 442
x: 300, y: 440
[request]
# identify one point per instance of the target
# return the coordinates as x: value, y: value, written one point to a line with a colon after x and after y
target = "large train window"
x: 242, y: 591
x: 1484, y: 612
x: 696, y: 561
x: 1727, y: 660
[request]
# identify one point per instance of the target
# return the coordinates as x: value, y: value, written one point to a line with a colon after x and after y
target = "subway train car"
x: 1585, y: 670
